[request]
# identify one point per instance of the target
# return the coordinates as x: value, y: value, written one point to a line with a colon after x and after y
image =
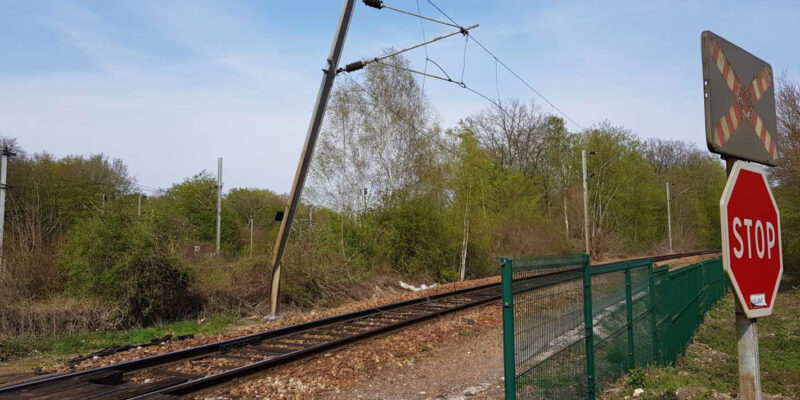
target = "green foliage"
x: 626, y: 206
x: 259, y: 204
x: 788, y: 199
x: 113, y: 256
x: 58, y: 192
x: 413, y: 237
x: 711, y: 362
x: 49, y: 195
x: 68, y: 345
x: 636, y: 377
x: 195, y: 200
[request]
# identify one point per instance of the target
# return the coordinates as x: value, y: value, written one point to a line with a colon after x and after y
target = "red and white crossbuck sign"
x: 743, y: 108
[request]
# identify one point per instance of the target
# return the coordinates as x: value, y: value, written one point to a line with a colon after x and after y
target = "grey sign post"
x: 739, y: 96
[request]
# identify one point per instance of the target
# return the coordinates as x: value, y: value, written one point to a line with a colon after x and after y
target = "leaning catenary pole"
x: 329, y: 74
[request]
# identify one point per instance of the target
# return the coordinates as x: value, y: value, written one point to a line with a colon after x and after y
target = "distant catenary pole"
x: 328, y: 76
x: 669, y: 220
x: 585, y: 204
x: 3, y: 187
x: 219, y: 202
x: 251, y: 236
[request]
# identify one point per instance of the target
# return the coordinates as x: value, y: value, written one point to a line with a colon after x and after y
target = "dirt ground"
x: 441, y: 359
x: 286, y: 320
x: 452, y: 357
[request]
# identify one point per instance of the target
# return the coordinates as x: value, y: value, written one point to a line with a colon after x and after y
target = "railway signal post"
x: 739, y: 101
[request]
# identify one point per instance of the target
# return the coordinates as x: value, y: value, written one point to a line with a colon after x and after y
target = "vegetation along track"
x: 181, y: 372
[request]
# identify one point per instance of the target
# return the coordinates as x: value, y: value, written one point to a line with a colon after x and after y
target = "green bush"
x: 118, y: 258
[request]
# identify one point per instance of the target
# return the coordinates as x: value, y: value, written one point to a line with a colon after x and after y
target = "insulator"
x: 374, y: 3
x: 354, y: 66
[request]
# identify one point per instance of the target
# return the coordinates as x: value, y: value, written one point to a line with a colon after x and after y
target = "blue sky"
x: 168, y: 86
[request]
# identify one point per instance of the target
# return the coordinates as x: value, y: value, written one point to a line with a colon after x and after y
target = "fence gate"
x: 570, y: 328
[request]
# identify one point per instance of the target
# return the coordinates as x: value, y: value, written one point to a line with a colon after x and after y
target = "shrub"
x: 118, y: 258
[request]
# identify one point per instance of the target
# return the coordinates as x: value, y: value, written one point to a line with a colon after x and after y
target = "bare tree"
x: 513, y: 134
x: 664, y: 155
x: 376, y: 134
x: 788, y: 108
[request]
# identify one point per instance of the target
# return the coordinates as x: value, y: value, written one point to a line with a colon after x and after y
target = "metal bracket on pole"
x: 329, y: 74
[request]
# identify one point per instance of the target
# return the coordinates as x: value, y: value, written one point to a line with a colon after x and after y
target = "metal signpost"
x: 740, y: 126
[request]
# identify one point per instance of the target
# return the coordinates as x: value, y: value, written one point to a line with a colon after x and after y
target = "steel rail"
x: 482, y: 294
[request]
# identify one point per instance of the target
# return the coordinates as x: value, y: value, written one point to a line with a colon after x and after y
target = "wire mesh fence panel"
x: 621, y: 303
x: 641, y: 328
x: 570, y: 329
x: 610, y: 320
x: 548, y: 326
x: 661, y: 310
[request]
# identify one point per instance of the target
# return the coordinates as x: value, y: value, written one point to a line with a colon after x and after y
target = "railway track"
x: 170, y: 375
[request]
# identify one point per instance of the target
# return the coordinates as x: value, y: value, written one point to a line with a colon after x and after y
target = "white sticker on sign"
x: 758, y: 300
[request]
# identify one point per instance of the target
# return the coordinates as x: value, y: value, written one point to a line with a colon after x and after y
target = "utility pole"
x: 219, y: 202
x: 139, y: 211
x: 585, y: 204
x: 329, y: 74
x: 669, y: 220
x: 3, y: 187
x: 251, y: 237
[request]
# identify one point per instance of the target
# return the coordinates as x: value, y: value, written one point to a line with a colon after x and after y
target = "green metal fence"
x: 570, y: 328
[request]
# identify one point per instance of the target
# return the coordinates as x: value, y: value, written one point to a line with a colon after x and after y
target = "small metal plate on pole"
x: 739, y: 102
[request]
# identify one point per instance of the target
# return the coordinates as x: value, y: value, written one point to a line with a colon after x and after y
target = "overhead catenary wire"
x: 413, y: 71
x: 381, y: 5
x: 422, y: 28
x: 379, y: 101
x: 403, y: 118
x: 498, y: 60
x: 355, y: 66
x: 448, y: 79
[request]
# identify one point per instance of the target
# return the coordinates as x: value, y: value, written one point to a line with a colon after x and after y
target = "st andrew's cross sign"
x: 739, y: 102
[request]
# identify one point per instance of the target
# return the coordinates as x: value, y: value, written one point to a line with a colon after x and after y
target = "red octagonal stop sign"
x: 751, y: 239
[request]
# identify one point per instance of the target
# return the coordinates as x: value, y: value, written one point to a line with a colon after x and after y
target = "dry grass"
x: 57, y: 316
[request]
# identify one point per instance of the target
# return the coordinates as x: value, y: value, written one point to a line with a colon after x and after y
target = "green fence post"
x: 652, y: 308
x: 629, y: 307
x: 509, y: 363
x: 588, y: 317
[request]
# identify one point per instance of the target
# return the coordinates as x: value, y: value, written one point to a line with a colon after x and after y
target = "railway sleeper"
x: 106, y: 377
x: 366, y: 324
x: 312, y: 340
x: 335, y: 334
x: 278, y: 351
x: 131, y: 389
x: 291, y: 345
